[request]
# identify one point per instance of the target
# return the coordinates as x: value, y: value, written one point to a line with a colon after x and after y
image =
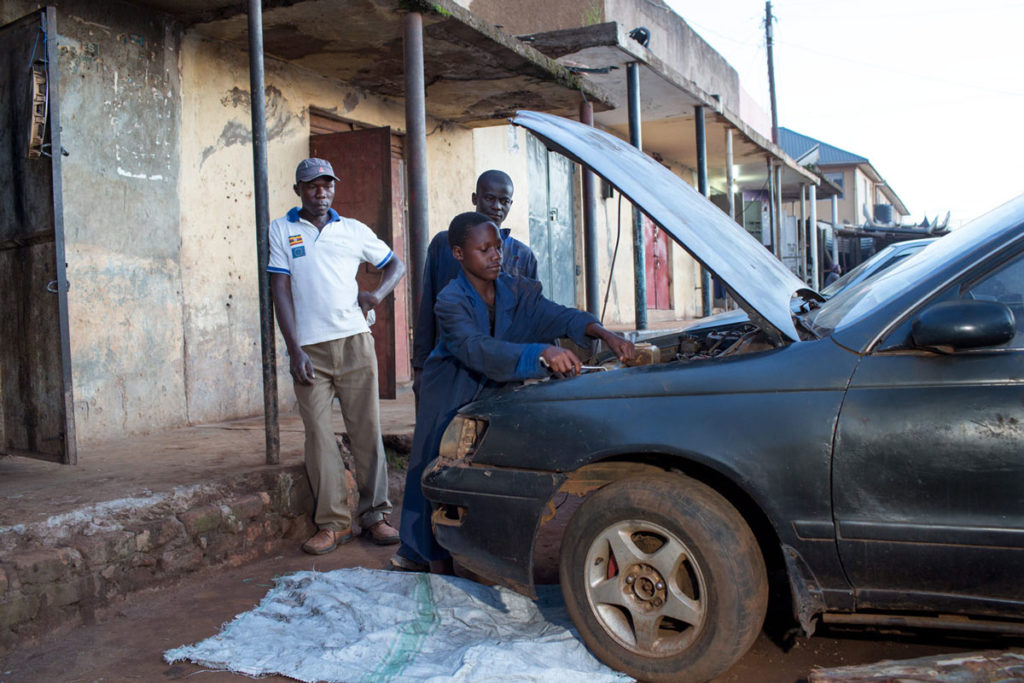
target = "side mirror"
x: 964, y: 324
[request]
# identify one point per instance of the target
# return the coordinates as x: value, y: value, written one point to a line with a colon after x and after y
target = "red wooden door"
x: 362, y: 160
x: 659, y: 275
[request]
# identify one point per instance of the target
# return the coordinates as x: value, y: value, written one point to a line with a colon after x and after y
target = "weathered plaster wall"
x: 679, y: 46
x: 532, y: 16
x: 158, y: 209
x: 621, y: 310
x: 672, y: 40
x: 119, y: 99
x: 219, y: 273
x: 504, y: 148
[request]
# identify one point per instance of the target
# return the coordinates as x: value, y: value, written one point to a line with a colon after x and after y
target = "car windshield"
x: 884, y: 259
x: 859, y: 299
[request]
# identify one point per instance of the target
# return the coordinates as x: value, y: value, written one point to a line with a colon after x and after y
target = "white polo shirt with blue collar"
x: 322, y: 265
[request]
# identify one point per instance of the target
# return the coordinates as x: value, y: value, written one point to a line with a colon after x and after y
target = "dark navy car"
x: 865, y: 452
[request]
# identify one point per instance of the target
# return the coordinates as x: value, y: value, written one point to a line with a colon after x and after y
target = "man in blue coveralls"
x: 494, y: 329
x: 493, y: 198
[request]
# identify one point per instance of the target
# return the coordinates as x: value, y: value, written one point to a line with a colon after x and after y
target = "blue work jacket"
x: 441, y: 268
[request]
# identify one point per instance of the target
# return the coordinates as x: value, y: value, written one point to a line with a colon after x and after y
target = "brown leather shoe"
x: 382, y: 533
x: 326, y: 540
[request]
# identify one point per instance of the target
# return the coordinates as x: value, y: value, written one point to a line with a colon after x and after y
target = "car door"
x: 928, y: 470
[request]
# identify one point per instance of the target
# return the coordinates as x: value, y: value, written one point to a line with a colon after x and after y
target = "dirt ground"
x: 127, y: 641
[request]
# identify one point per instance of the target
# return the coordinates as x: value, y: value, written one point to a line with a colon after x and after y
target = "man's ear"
x: 473, y: 199
x: 457, y: 252
x: 295, y: 187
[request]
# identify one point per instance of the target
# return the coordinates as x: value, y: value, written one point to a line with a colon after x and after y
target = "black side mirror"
x: 964, y: 324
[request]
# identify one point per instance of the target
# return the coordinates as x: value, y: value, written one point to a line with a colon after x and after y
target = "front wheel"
x: 663, y: 579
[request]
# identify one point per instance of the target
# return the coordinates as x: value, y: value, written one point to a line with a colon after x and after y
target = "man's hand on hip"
x: 367, y: 301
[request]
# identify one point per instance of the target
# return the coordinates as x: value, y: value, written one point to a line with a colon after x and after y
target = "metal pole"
x: 730, y: 177
x: 815, y: 263
x: 835, y: 229
x: 707, y: 295
x: 593, y: 283
x: 261, y: 195
x: 416, y: 154
x: 769, y: 38
x: 771, y: 210
x: 778, y: 210
x: 801, y: 236
x: 639, y: 254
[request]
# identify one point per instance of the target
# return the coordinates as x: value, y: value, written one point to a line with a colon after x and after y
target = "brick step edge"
x: 57, y: 574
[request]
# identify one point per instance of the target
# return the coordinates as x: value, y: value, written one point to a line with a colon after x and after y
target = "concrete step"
x: 141, y: 513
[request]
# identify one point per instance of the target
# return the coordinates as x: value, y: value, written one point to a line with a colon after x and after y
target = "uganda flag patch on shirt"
x: 295, y: 242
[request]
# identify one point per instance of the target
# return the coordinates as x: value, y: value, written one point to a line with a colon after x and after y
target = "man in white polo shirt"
x: 314, y: 256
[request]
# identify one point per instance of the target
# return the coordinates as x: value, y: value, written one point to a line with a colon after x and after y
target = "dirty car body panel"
x: 872, y: 442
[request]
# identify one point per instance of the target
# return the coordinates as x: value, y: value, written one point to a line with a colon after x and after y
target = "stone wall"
x: 57, y: 573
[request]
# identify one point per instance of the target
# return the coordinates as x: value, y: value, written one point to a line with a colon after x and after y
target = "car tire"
x: 663, y: 579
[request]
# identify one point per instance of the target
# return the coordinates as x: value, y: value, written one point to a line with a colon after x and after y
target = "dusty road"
x: 125, y: 643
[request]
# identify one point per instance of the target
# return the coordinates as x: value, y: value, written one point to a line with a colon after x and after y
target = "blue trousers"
x: 418, y: 542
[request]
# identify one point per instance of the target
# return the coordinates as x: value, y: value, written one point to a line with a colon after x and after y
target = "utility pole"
x: 771, y: 70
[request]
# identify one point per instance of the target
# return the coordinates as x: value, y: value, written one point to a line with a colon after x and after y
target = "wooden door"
x: 659, y: 272
x: 35, y: 359
x: 552, y: 238
x: 362, y: 160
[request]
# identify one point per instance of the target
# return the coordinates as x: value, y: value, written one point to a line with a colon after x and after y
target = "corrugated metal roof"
x: 796, y: 145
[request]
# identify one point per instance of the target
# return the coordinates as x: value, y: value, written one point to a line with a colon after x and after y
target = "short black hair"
x: 459, y: 228
x: 494, y: 176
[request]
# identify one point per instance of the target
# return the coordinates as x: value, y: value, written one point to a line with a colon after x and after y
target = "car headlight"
x: 460, y: 439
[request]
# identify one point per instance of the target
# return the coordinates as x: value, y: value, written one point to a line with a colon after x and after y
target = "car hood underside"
x: 758, y: 281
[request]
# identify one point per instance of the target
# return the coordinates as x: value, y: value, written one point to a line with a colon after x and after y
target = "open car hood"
x: 758, y: 281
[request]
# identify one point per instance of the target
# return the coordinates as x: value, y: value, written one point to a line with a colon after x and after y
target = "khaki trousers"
x: 347, y: 369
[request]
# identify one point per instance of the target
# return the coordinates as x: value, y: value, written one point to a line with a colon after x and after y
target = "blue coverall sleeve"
x: 469, y: 341
x: 550, y: 320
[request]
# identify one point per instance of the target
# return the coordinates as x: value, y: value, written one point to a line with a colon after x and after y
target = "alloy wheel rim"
x: 645, y: 589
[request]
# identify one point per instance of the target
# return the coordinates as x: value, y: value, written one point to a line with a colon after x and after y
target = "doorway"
x: 657, y: 266
x: 36, y: 413
x: 371, y: 165
x: 552, y: 237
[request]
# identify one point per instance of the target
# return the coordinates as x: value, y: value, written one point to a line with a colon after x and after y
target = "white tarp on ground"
x: 373, y: 625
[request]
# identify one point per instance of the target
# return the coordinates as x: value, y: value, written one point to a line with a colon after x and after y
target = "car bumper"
x: 488, y: 518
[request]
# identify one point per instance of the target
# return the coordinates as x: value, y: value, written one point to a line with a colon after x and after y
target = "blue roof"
x: 796, y: 145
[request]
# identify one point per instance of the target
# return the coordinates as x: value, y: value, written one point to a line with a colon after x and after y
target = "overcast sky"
x: 931, y: 92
